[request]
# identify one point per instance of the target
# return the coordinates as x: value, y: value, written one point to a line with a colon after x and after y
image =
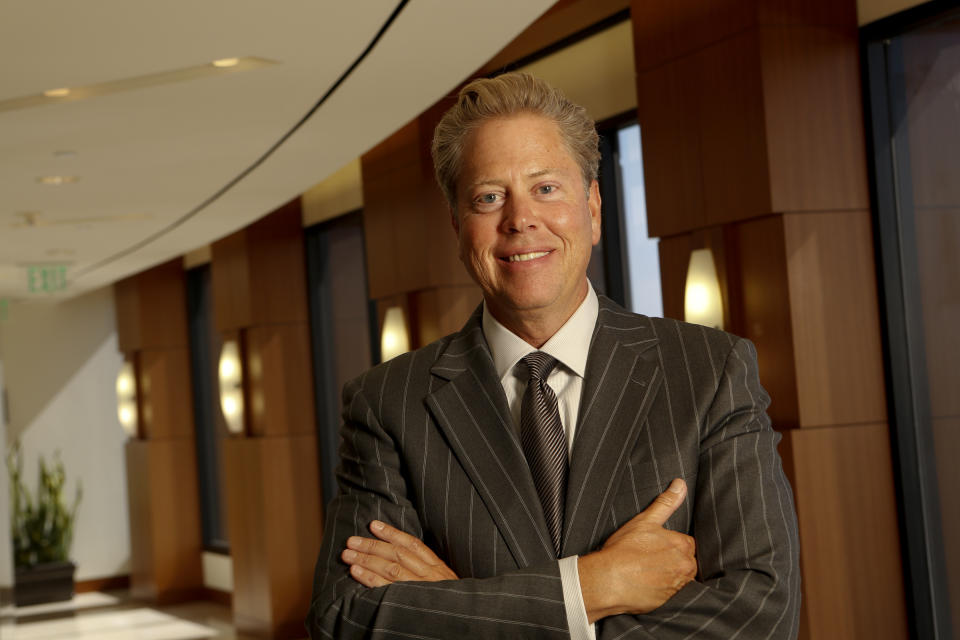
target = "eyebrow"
x: 534, y: 174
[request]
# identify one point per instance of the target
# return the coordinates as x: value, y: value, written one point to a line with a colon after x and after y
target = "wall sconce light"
x: 394, y: 339
x: 230, y: 372
x: 702, y: 302
x: 127, y: 399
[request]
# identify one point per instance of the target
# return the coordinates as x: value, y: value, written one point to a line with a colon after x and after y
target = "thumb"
x: 666, y: 503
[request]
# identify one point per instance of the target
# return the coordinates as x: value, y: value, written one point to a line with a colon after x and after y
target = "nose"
x: 518, y: 216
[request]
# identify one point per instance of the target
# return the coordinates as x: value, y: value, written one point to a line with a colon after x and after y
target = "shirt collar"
x: 570, y: 344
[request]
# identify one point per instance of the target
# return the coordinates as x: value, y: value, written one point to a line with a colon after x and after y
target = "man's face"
x: 524, y: 222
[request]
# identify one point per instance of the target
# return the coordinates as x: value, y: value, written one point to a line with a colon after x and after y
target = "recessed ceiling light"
x: 85, y: 92
x: 57, y: 180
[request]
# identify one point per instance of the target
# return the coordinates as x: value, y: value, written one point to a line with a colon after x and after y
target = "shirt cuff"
x: 580, y: 627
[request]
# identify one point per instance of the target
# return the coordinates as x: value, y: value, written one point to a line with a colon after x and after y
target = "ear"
x: 593, y: 203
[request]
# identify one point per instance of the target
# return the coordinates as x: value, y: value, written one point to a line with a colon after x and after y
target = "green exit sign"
x: 46, y: 278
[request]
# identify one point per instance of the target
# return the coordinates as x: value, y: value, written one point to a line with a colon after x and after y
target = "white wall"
x: 60, y: 362
x: 6, y: 550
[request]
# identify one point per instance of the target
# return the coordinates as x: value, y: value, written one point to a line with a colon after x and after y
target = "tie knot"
x: 540, y: 364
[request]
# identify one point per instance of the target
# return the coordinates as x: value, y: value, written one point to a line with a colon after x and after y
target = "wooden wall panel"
x: 279, y: 380
x: 733, y: 139
x: 166, y: 397
x: 704, y: 141
x: 410, y: 243
x: 664, y: 31
x: 161, y: 462
x: 668, y: 113
x: 258, y: 274
x: 674, y: 259
x: 142, y: 533
x: 230, y: 282
x: 850, y: 547
x: 246, y: 522
x: 814, y: 119
x: 765, y: 305
x: 391, y: 200
x: 293, y: 497
x: 152, y: 308
x: 275, y: 520
x: 165, y: 520
x: 834, y: 318
x: 277, y: 267
x: 126, y: 299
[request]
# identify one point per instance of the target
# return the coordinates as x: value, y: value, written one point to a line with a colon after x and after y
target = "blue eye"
x: 547, y: 188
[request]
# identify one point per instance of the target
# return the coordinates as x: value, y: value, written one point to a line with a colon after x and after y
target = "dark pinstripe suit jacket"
x: 428, y: 446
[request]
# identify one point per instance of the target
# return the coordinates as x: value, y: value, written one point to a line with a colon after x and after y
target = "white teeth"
x: 521, y: 257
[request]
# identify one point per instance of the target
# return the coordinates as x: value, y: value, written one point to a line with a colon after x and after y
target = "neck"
x: 535, y: 326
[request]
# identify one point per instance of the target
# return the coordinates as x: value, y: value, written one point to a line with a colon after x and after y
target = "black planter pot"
x: 49, y: 582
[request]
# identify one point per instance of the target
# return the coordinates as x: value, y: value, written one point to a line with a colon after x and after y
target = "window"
x: 208, y: 421
x: 912, y: 73
x: 631, y: 258
x: 342, y: 337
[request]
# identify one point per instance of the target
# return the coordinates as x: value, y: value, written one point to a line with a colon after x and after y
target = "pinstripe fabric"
x: 544, y: 441
x: 427, y: 446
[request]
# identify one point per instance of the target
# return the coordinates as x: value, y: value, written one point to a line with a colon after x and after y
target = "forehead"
x: 515, y: 145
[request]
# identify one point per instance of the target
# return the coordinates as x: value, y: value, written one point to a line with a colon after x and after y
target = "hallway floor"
x: 113, y: 616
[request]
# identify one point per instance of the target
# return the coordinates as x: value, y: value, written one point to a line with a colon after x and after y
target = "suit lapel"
x: 621, y: 380
x: 472, y: 412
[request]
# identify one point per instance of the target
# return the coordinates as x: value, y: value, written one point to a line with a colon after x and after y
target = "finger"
x: 389, y: 551
x: 386, y: 569
x: 367, y: 578
x: 666, y: 503
x: 403, y: 539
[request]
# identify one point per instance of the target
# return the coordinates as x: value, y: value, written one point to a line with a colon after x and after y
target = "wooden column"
x: 273, y: 482
x: 165, y: 537
x: 411, y: 247
x: 753, y: 145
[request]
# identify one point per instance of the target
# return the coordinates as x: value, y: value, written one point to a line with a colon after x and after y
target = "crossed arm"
x: 640, y: 566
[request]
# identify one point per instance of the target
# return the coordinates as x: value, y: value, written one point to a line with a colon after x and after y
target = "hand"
x: 395, y: 556
x: 641, y: 565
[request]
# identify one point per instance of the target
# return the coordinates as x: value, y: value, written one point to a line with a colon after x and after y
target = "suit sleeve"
x: 744, y: 522
x: 524, y: 603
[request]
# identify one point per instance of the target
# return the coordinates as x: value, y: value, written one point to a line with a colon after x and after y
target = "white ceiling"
x: 146, y: 157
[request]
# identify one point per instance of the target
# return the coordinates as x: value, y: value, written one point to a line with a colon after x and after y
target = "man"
x: 560, y: 467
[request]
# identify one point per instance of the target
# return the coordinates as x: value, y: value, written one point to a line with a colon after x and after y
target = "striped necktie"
x: 544, y: 442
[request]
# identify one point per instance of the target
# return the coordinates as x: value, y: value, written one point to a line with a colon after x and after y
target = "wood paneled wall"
x: 753, y: 145
x: 412, y: 258
x: 273, y: 493
x: 161, y: 462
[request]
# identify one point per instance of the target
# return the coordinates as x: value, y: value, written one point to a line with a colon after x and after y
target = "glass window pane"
x: 642, y: 260
x: 931, y: 190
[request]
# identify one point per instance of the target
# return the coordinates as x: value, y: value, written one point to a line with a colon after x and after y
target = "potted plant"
x: 41, y: 531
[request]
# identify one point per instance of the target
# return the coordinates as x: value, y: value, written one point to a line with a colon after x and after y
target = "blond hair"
x: 506, y: 95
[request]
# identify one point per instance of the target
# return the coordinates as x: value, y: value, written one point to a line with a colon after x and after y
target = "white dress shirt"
x: 570, y: 345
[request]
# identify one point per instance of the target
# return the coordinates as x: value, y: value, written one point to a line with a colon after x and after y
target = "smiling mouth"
x: 523, y: 257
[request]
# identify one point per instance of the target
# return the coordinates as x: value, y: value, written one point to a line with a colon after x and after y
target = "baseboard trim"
x: 216, y: 595
x: 102, y: 584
